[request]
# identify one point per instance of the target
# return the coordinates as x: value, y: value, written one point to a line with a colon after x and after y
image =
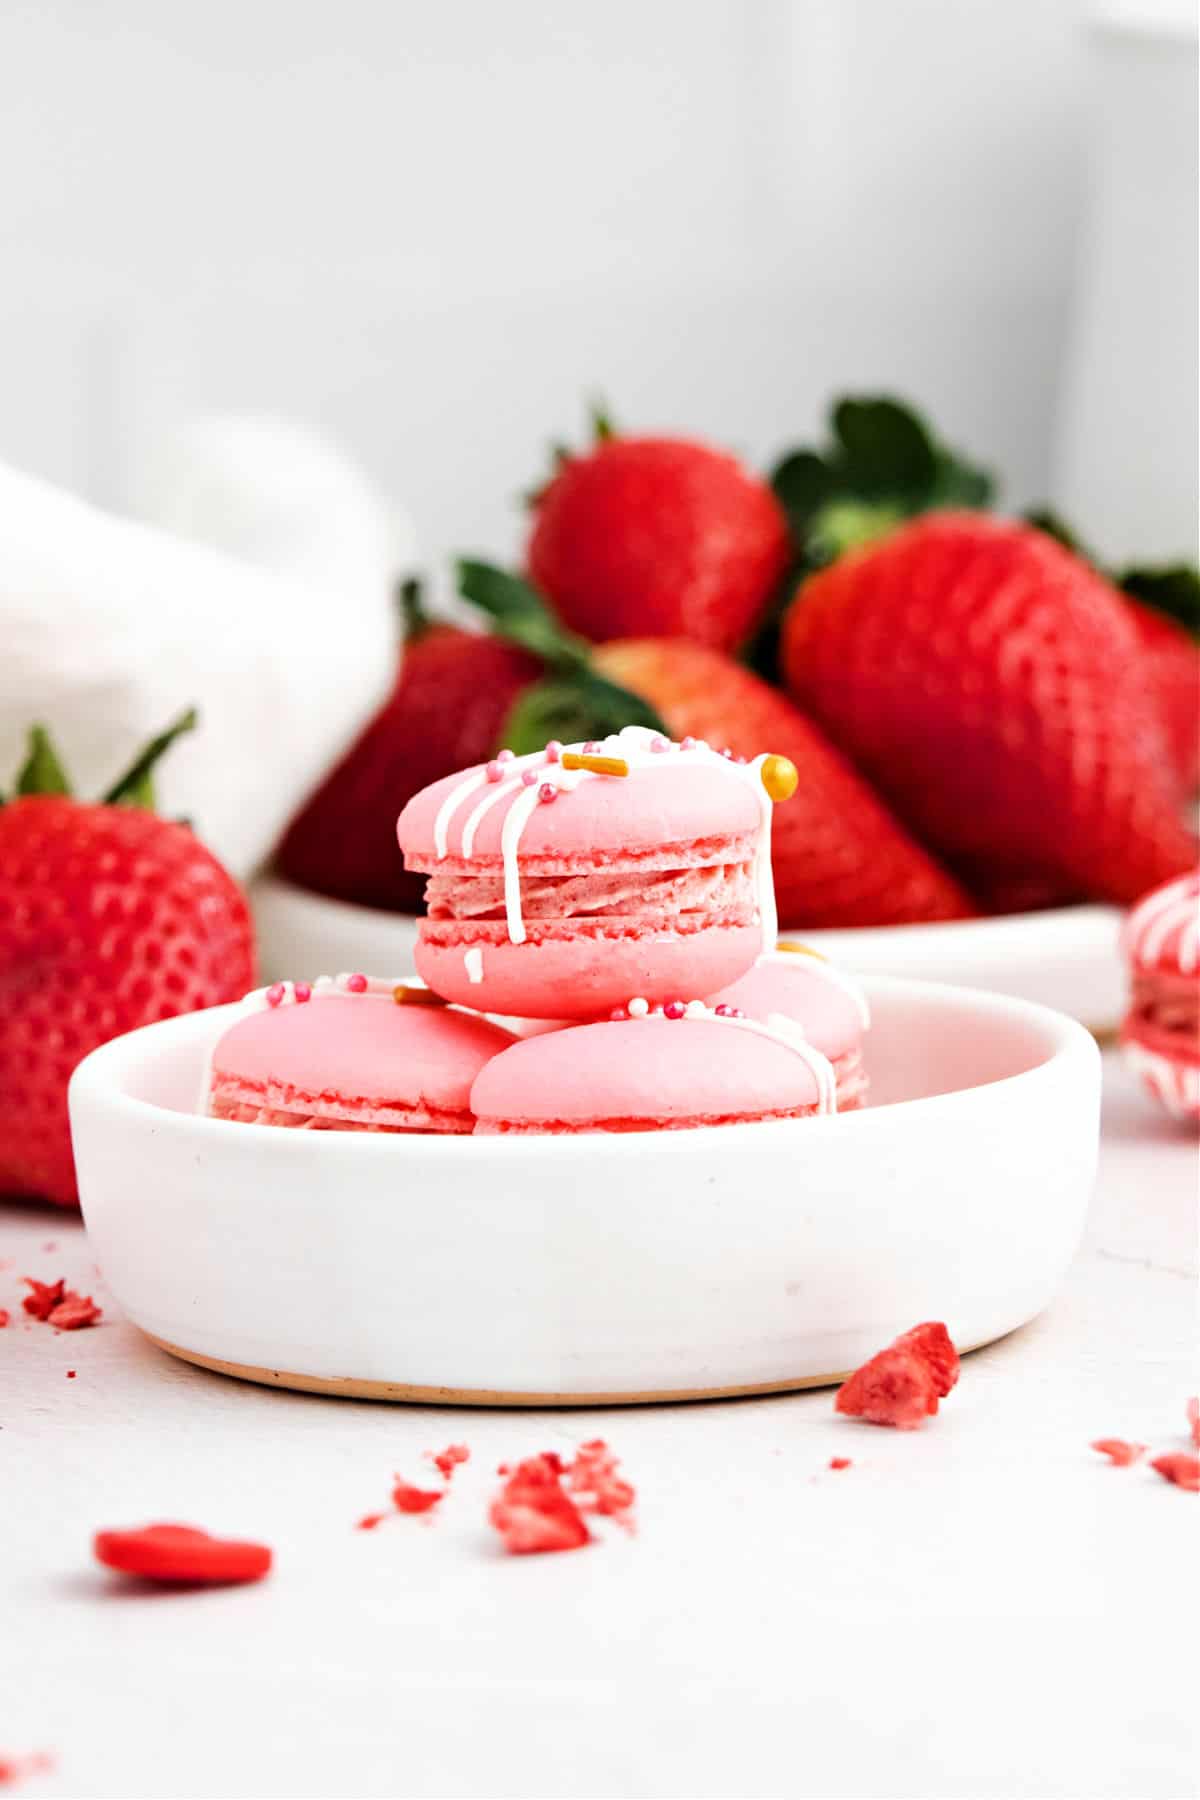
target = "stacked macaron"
x: 606, y: 886
x: 1161, y: 1033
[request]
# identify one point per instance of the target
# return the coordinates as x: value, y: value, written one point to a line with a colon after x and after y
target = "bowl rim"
x: 98, y: 1078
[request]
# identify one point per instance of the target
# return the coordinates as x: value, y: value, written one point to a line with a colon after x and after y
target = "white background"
x: 430, y: 229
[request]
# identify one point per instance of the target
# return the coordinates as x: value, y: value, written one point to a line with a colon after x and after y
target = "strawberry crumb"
x: 369, y: 1521
x: 3, y: 1318
x: 42, y: 1298
x: 70, y: 1374
x: 408, y: 1499
x: 1118, y: 1451
x: 1180, y: 1468
x: 1193, y: 1419
x: 533, y: 1514
x: 447, y: 1460
x: 58, y: 1305
x: 840, y: 1462
x: 902, y: 1385
x: 16, y: 1768
x: 592, y: 1476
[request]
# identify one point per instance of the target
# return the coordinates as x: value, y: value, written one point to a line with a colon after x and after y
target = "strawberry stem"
x: 135, y: 787
x: 42, y: 772
x: 410, y: 601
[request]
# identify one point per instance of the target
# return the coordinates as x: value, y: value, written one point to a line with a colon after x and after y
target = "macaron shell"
x: 601, y: 818
x: 360, y: 1048
x: 796, y: 986
x: 581, y: 974
x: 668, y: 1071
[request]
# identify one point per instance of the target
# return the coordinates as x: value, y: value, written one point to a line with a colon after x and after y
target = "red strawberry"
x: 1172, y: 657
x: 989, y: 683
x: 453, y: 693
x: 109, y: 918
x: 658, y: 536
x: 839, y: 856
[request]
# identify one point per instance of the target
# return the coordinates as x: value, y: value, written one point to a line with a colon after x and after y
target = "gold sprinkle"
x: 801, y: 950
x: 416, y: 996
x: 780, y: 777
x: 598, y: 765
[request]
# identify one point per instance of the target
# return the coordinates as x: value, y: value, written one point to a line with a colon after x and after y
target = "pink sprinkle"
x: 618, y: 1013
x: 674, y: 1009
x: 725, y: 1011
x: 727, y: 753
x: 742, y: 759
x: 689, y: 743
x: 659, y: 743
x: 70, y: 1374
x: 504, y: 756
x: 356, y: 984
x: 554, y: 750
x: 302, y: 991
x: 275, y: 994
x: 591, y: 747
x: 529, y: 777
x: 547, y: 792
x: 494, y: 772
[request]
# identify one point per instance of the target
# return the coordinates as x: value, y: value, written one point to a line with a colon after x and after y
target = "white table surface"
x: 982, y: 1608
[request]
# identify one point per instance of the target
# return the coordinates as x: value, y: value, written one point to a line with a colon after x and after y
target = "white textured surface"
x: 980, y: 1609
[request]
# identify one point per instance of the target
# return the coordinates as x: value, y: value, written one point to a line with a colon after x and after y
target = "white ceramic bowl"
x: 1068, y: 958
x: 562, y: 1270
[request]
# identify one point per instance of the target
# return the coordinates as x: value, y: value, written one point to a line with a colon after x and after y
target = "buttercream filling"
x: 724, y: 890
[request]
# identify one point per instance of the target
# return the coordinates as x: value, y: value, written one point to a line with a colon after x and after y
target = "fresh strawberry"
x: 1172, y: 658
x: 452, y: 694
x: 109, y: 918
x: 839, y: 856
x: 658, y: 537
x: 990, y: 684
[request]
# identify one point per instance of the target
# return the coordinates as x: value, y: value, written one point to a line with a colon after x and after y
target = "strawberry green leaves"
x: 573, y: 702
x: 882, y: 465
x: 43, y: 773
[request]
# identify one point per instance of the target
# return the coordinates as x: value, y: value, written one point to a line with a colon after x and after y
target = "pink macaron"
x: 344, y: 1057
x: 666, y: 1070
x: 562, y: 882
x: 1161, y: 1032
x: 828, y: 1006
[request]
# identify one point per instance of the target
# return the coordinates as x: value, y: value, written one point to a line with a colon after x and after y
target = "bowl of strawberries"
x: 997, y: 739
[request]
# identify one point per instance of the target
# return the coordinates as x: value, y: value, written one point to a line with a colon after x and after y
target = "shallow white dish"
x: 1067, y: 959
x: 562, y: 1270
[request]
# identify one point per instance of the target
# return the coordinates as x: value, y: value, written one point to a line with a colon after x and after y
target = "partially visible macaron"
x: 346, y: 1056
x: 664, y: 1069
x: 562, y: 882
x: 1161, y: 1032
x: 828, y: 1006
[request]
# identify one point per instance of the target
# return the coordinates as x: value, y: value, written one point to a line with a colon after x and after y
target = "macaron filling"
x: 718, y: 892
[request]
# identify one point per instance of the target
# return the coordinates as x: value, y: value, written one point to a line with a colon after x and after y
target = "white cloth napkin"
x: 109, y: 628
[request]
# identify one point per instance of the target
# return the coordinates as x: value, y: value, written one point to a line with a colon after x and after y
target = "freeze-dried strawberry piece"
x: 902, y: 1384
x: 932, y: 1342
x: 532, y: 1513
x: 74, y: 1311
x: 16, y: 1768
x: 1119, y: 1452
x: 3, y: 1318
x: 369, y: 1521
x: 1193, y: 1419
x: 447, y: 1460
x: 1180, y: 1468
x: 894, y: 1388
x: 840, y: 1462
x: 592, y: 1476
x: 181, y: 1553
x: 42, y: 1298
x: 409, y: 1499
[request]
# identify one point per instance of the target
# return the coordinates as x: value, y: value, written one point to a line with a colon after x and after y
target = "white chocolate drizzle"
x: 1173, y: 910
